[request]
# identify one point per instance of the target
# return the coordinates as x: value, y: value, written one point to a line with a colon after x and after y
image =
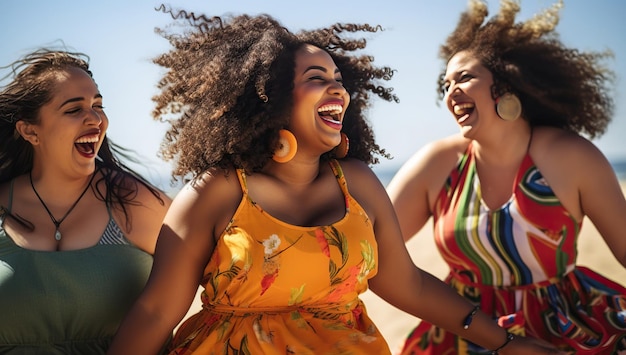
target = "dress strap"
x: 10, y: 196
x: 7, y: 211
x: 241, y: 175
x: 341, y: 179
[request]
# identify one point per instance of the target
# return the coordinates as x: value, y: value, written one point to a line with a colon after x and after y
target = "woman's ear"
x: 27, y: 131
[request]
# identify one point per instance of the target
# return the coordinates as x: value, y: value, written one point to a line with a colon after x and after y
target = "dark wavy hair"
x: 228, y: 89
x: 558, y: 86
x: 32, y: 85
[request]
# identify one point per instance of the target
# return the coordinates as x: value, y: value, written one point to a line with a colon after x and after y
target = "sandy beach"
x: 395, y: 324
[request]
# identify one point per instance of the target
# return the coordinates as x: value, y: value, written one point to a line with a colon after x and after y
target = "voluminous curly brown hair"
x: 558, y: 86
x: 228, y: 88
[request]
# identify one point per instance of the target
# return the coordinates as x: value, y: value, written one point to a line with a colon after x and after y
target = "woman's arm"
x: 414, y: 291
x: 184, y: 247
x: 414, y: 189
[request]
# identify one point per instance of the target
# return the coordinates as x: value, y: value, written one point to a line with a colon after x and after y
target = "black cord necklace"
x: 57, y: 223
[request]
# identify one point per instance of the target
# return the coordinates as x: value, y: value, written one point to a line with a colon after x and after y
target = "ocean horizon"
x: 385, y: 174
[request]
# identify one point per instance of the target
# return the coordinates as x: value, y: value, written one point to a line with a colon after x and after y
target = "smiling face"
x: 72, y: 125
x: 319, y: 100
x: 467, y: 92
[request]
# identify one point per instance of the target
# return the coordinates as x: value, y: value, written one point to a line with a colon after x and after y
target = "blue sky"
x: 119, y: 37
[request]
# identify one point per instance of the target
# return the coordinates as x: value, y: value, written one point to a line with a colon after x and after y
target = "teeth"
x: 92, y: 139
x: 462, y: 108
x: 331, y: 109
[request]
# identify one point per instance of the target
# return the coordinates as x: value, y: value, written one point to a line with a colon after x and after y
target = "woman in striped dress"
x: 508, y: 194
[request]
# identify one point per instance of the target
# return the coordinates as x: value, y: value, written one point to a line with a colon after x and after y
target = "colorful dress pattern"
x: 276, y: 288
x: 519, y: 264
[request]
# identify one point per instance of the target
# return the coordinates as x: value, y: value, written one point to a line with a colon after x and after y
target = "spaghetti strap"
x: 530, y: 140
x: 241, y: 175
x: 10, y: 196
x: 341, y: 179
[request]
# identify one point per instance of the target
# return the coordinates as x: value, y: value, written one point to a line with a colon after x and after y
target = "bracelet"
x: 470, y: 317
x: 509, y: 338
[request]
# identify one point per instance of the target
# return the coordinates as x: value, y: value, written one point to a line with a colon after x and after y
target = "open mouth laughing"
x: 86, y: 145
x: 331, y: 113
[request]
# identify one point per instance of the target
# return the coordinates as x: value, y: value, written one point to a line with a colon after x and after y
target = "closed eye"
x: 465, y: 77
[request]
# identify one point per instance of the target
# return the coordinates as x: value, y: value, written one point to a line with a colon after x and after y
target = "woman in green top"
x: 77, y: 227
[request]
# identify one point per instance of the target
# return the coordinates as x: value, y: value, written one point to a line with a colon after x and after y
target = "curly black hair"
x: 228, y: 88
x: 558, y: 86
x: 34, y: 77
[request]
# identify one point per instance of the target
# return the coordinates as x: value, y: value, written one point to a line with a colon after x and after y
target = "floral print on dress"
x: 264, y: 292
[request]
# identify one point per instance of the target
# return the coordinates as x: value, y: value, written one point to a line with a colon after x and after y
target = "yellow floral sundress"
x: 275, y: 288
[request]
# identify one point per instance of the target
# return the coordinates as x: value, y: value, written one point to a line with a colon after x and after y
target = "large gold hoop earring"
x: 508, y: 107
x: 287, y: 147
x: 341, y: 150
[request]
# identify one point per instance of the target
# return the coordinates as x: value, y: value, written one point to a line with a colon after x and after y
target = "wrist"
x: 509, y: 338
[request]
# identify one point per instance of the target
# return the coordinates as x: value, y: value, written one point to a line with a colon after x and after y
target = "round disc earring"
x: 508, y: 107
x: 341, y: 150
x: 287, y: 147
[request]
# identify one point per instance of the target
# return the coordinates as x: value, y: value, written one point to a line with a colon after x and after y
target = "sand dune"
x: 395, y: 324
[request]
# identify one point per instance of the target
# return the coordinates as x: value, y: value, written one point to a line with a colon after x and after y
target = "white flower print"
x: 271, y: 244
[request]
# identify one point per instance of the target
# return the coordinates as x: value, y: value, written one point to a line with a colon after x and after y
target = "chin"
x: 467, y: 132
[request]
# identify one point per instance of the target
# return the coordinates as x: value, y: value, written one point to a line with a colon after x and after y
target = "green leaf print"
x: 296, y: 295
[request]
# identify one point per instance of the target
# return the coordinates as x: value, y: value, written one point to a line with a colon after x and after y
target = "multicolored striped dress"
x: 519, y: 264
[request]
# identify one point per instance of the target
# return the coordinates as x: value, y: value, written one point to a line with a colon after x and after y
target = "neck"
x: 506, y: 148
x: 59, y: 192
x: 294, y: 173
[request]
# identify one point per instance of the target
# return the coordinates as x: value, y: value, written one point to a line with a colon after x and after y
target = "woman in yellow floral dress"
x: 283, y: 223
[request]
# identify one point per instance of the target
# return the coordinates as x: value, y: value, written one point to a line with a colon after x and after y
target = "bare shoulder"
x: 210, y: 201
x: 436, y: 158
x: 141, y: 218
x: 148, y: 198
x: 358, y: 173
x: 360, y: 178
x: 557, y: 149
x: 365, y: 186
x: 429, y: 167
x: 217, y: 184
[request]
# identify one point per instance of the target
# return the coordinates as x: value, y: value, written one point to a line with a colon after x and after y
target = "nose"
x: 94, y: 117
x: 453, y: 86
x: 336, y: 88
x: 453, y: 89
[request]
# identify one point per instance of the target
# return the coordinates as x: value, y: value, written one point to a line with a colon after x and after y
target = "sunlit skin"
x: 75, y: 113
x: 301, y: 192
x: 69, y: 133
x: 571, y: 165
x: 317, y: 85
x: 75, y: 221
x: 467, y: 85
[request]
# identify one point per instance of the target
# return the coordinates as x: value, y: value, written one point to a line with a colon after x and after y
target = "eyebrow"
x: 455, y: 74
x: 76, y: 99
x: 317, y: 67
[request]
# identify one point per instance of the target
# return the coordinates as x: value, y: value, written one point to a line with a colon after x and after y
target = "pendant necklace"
x: 57, y: 223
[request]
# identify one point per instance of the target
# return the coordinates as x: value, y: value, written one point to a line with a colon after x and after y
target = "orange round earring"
x: 341, y: 151
x: 287, y: 147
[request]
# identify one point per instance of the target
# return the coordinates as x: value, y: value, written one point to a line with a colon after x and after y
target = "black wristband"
x: 468, y: 319
x: 509, y: 338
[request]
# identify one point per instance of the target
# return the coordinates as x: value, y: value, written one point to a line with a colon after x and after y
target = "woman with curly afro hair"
x: 283, y: 223
x: 508, y: 194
